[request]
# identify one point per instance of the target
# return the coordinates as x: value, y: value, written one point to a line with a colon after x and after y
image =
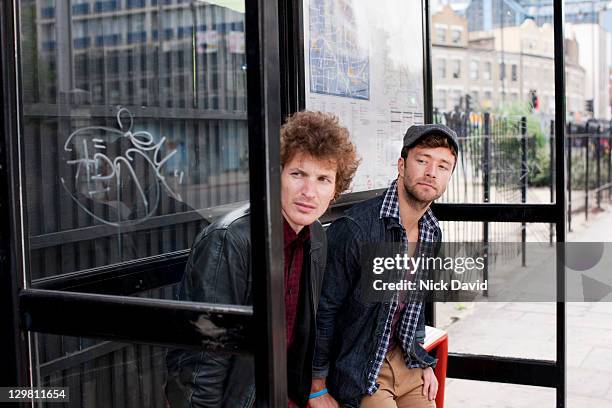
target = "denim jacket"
x: 349, y: 329
x: 219, y: 271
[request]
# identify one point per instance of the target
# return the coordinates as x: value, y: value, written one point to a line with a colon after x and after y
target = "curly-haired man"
x: 318, y: 163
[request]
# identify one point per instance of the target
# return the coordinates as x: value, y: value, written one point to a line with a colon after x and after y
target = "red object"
x: 436, y: 339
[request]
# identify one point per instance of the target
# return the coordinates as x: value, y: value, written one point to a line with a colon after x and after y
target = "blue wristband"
x: 318, y: 393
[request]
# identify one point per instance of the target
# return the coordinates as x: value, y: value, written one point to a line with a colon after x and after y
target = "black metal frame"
x: 502, y: 370
x: 96, y: 316
x: 264, y: 111
x: 271, y: 26
x: 62, y: 311
x: 14, y: 345
x: 560, y: 201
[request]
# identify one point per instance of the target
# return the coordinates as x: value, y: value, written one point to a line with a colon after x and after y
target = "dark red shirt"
x: 294, y: 260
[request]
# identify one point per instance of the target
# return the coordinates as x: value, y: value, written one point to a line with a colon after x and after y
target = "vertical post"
x: 598, y: 174
x: 486, y: 163
x: 291, y: 16
x: 429, y: 117
x: 586, y: 172
x: 427, y: 75
x: 551, y: 171
x: 560, y: 210
x: 524, y: 181
x: 194, y: 54
x: 486, y: 157
x: 570, y: 140
x: 609, y: 161
x: 264, y: 119
x: 13, y: 341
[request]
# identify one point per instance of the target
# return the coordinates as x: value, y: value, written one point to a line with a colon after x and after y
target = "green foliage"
x: 538, y: 150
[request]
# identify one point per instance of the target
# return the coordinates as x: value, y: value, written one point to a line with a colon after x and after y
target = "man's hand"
x: 430, y: 384
x: 325, y: 400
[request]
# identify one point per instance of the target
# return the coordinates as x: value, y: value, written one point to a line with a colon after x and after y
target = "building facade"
x: 495, y: 68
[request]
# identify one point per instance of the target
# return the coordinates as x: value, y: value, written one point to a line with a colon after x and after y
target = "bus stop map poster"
x: 364, y: 63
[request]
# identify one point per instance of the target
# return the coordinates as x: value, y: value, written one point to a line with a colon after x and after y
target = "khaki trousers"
x: 399, y: 386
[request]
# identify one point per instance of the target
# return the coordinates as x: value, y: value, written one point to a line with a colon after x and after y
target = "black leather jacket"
x: 219, y: 271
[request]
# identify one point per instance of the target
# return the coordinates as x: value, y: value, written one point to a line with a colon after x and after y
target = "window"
x: 440, y: 33
x: 105, y: 6
x: 456, y: 35
x: 473, y: 69
x: 457, y: 98
x: 456, y: 68
x: 514, y: 73
x: 79, y: 35
x: 80, y: 8
x: 474, y: 96
x: 486, y: 74
x: 488, y: 96
x: 441, y: 68
x: 66, y: 184
x: 136, y: 22
x: 502, y: 70
x: 440, y: 100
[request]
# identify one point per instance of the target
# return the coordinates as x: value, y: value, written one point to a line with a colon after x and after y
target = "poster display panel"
x: 364, y: 63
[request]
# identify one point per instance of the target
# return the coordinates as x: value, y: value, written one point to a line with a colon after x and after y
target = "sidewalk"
x: 528, y: 330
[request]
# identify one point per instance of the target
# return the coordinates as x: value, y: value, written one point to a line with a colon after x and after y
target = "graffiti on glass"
x: 119, y: 176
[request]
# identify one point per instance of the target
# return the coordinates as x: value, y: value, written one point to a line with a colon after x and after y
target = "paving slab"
x: 537, y: 349
x: 538, y: 318
x: 463, y: 393
x: 600, y: 358
x: 591, y: 320
x: 576, y: 309
x: 588, y: 383
x: 576, y: 401
x: 609, y: 394
x: 576, y: 354
x: 603, y: 307
x: 589, y: 336
x: 540, y: 307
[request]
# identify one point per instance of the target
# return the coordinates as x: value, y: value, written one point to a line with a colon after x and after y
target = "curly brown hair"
x: 321, y: 136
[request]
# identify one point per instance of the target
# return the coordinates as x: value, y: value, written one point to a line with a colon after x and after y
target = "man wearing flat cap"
x: 370, y: 354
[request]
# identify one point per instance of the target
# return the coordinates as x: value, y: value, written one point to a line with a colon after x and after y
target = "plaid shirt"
x: 428, y: 233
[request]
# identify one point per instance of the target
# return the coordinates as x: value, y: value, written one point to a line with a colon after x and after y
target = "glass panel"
x: 504, y: 327
x: 135, y: 127
x: 589, y: 324
x: 589, y: 171
x: 589, y: 372
x: 498, y: 162
x: 482, y: 394
x: 108, y: 374
x: 500, y: 328
x: 498, y: 58
x: 589, y: 137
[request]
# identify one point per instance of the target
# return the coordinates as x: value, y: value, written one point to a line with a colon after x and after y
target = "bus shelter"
x: 198, y: 91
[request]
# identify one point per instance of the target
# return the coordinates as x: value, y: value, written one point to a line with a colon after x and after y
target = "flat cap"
x: 416, y: 132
